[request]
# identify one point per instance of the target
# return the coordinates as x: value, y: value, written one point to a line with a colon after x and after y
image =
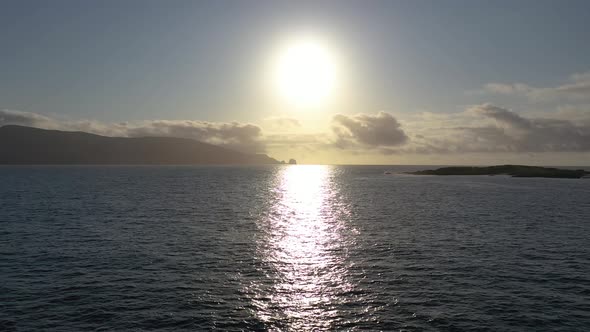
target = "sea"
x: 290, y: 248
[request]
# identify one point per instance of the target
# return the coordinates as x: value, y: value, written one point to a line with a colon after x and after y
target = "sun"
x: 305, y: 73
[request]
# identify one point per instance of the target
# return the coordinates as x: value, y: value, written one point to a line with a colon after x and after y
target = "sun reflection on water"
x: 304, y: 248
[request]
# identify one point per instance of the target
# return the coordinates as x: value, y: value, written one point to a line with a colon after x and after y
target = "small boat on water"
x: 387, y: 172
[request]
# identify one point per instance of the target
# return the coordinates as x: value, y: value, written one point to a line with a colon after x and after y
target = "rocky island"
x: 512, y: 170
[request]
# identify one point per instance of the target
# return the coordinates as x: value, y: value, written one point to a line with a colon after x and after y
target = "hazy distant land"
x: 26, y: 145
x: 512, y: 170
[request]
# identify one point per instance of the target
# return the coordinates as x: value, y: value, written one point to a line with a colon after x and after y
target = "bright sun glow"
x: 305, y: 73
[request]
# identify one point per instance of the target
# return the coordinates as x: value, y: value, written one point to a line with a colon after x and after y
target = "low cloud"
x: 513, y: 132
x: 29, y: 119
x: 239, y: 136
x: 367, y: 131
x: 508, y: 89
x: 484, y: 128
x: 283, y: 122
x: 26, y: 119
x: 490, y: 128
x: 501, y: 115
x: 576, y: 88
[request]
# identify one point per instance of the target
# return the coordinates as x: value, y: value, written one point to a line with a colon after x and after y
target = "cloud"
x: 579, y: 114
x: 508, y: 89
x: 516, y: 133
x: 502, y: 115
x: 577, y: 88
x: 490, y: 128
x: 484, y: 128
x: 367, y: 131
x: 25, y: 119
x: 310, y: 141
x: 283, y: 122
x: 239, y: 136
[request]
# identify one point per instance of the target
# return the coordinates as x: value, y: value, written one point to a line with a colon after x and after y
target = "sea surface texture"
x: 290, y: 248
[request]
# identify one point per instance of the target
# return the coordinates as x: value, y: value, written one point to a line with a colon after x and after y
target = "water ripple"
x: 290, y: 248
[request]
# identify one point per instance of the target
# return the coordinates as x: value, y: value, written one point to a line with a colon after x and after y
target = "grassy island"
x: 512, y: 170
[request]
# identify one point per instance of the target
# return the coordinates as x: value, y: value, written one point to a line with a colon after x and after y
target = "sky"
x: 413, y: 82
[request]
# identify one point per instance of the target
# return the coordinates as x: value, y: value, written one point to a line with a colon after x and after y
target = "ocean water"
x: 290, y: 248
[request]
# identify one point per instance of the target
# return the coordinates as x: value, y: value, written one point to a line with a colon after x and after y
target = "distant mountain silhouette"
x: 26, y: 145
